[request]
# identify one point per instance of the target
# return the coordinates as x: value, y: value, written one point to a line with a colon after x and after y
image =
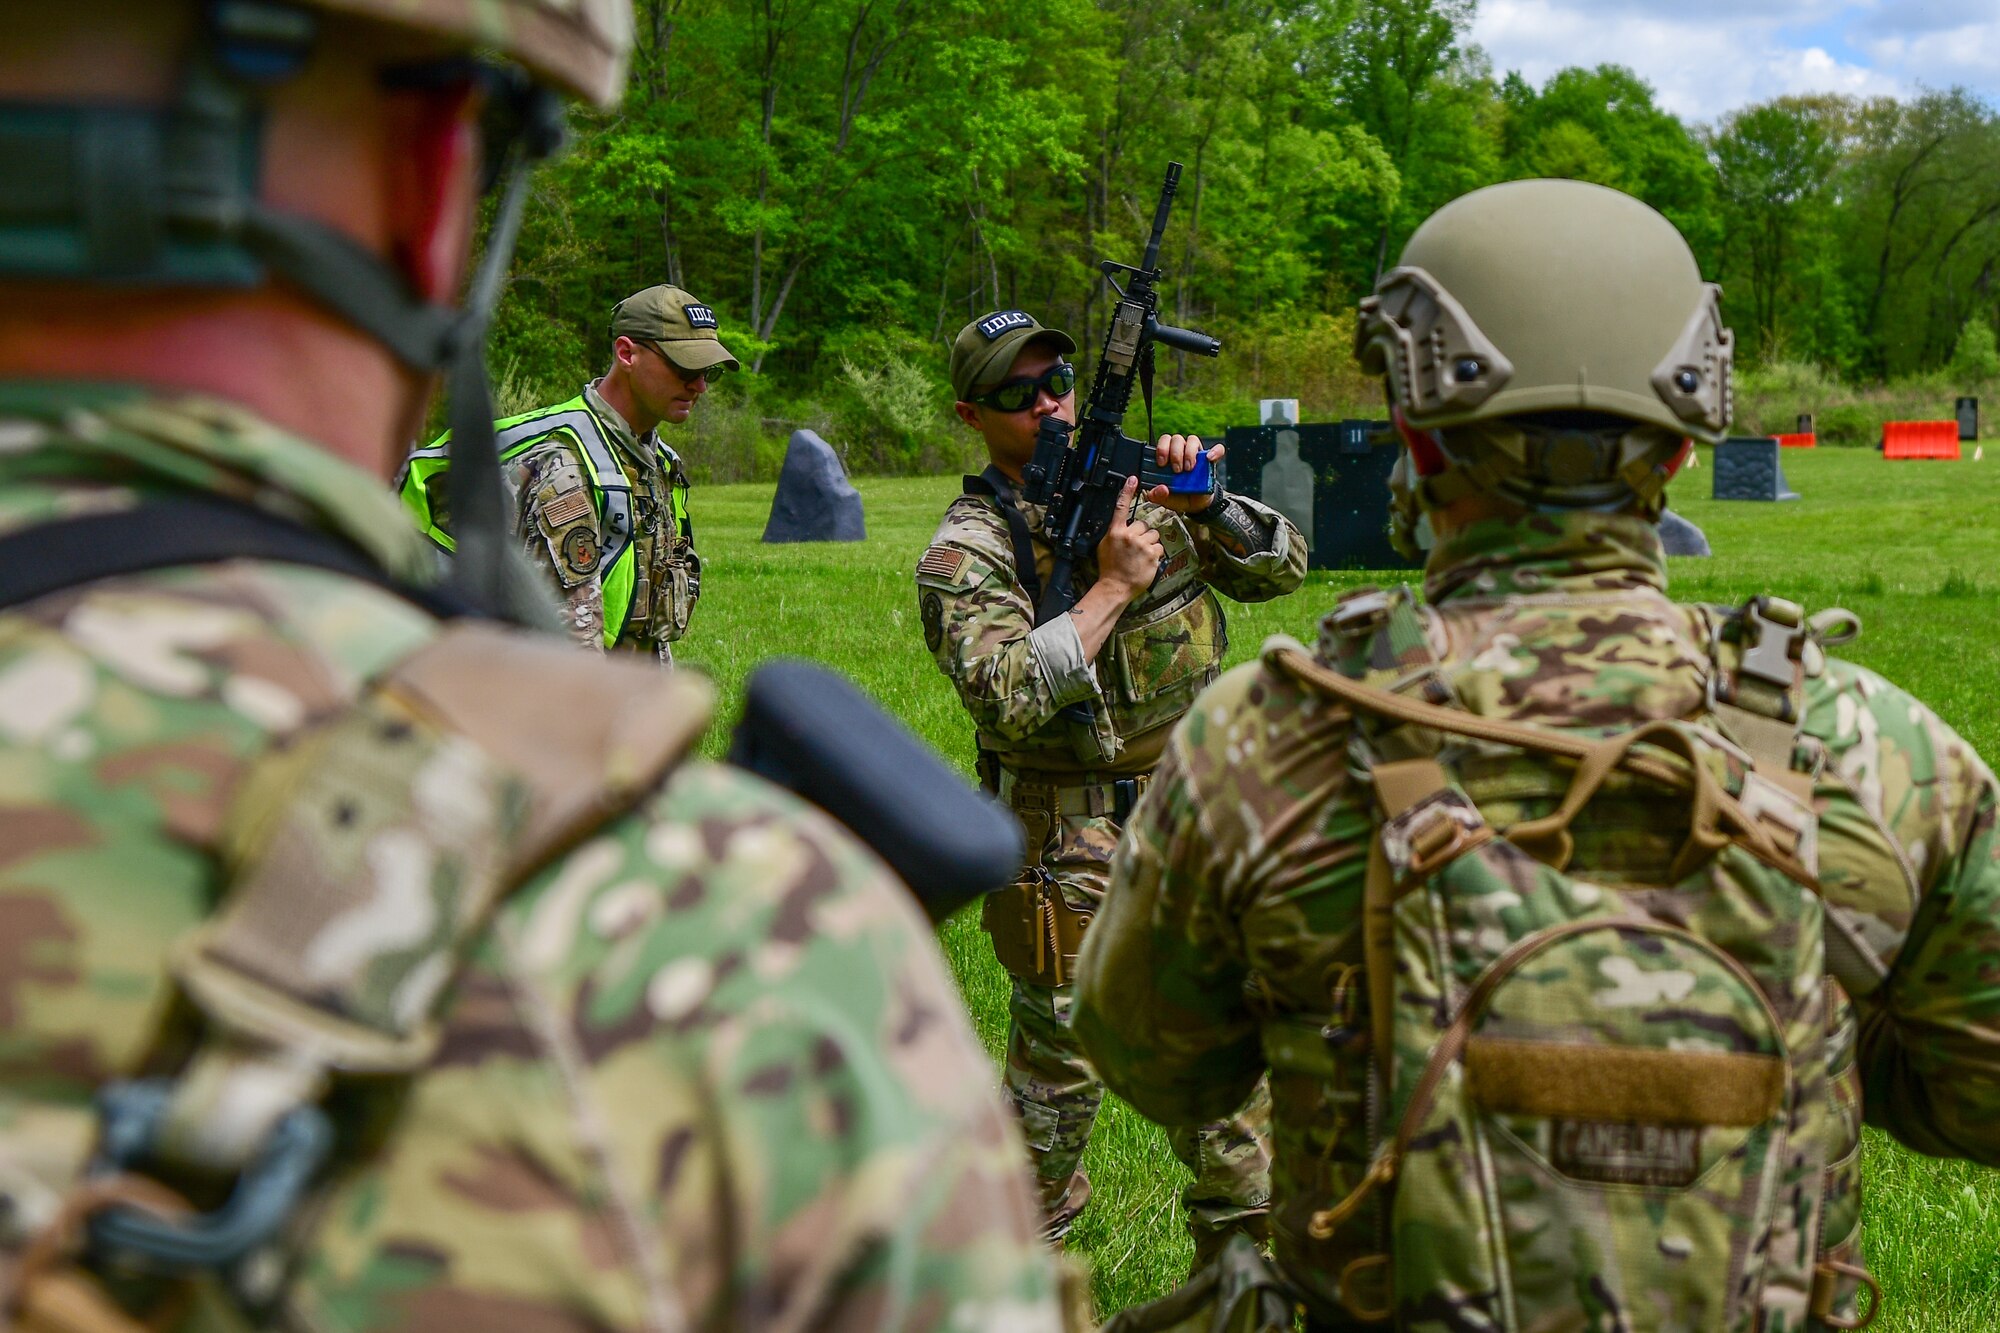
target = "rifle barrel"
x: 1160, y: 218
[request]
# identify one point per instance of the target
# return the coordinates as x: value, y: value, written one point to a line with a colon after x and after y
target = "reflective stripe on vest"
x: 613, y: 492
x: 614, y: 498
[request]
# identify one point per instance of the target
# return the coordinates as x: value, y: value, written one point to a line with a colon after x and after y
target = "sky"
x: 1708, y: 57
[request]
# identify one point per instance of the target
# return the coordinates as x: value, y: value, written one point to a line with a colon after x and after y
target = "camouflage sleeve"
x: 1160, y: 1004
x: 558, y: 524
x: 1930, y: 1045
x: 708, y: 1071
x: 1012, y: 675
x: 1249, y: 551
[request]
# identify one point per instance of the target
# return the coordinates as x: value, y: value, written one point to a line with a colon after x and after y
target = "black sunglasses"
x: 710, y: 373
x: 1016, y: 394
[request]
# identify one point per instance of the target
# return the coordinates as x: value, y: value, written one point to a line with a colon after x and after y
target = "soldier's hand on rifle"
x: 1129, y: 556
x: 1179, y: 452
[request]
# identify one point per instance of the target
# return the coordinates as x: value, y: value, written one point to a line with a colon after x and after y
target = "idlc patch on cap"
x: 700, y: 316
x: 996, y: 324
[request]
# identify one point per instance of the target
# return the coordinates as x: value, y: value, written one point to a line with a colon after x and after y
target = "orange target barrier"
x: 1920, y: 439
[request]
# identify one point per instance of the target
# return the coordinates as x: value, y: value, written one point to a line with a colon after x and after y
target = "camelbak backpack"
x: 1612, y: 1085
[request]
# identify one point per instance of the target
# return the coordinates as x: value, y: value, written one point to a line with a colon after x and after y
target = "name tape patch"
x: 1620, y: 1154
x: 700, y: 317
x: 996, y: 324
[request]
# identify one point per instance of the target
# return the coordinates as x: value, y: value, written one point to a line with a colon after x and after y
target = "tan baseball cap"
x: 682, y: 327
x: 985, y: 348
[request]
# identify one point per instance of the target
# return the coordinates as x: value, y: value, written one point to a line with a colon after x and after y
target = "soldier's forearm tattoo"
x: 1236, y: 527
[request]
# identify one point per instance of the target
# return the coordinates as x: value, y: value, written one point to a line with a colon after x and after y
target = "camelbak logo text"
x: 700, y: 317
x: 995, y: 325
x: 1610, y: 1153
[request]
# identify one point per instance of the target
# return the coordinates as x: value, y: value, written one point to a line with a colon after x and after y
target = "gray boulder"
x: 1681, y: 537
x: 815, y: 501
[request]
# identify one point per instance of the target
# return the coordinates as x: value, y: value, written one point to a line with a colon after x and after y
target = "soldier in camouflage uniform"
x: 1144, y: 638
x: 601, y: 501
x: 565, y: 1029
x: 1549, y: 347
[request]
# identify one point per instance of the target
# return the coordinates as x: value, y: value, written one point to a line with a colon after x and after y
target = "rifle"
x: 1080, y: 484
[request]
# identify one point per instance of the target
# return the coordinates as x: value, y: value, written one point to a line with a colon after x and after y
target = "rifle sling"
x: 168, y: 533
x: 993, y: 482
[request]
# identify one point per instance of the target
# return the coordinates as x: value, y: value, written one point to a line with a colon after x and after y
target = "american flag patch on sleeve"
x: 567, y: 509
x: 943, y: 564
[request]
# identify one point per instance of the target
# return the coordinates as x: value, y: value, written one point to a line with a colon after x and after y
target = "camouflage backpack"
x: 1613, y: 1086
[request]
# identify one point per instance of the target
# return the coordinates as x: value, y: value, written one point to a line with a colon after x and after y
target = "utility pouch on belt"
x: 1035, y: 931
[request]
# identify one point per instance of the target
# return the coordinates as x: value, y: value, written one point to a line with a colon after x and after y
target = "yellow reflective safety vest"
x: 620, y: 580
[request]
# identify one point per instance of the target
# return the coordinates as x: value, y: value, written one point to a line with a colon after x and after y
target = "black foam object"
x: 809, y: 730
x: 1350, y: 463
x: 1749, y: 469
x: 815, y: 502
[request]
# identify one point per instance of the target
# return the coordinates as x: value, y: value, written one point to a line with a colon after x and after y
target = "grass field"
x: 1913, y: 548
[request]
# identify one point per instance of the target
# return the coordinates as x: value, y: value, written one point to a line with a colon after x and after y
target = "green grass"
x: 1913, y: 548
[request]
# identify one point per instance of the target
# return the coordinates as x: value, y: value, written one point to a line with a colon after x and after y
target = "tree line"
x: 847, y: 181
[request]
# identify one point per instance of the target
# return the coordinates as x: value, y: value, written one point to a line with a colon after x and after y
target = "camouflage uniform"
x: 1067, y: 779
x: 1242, y: 875
x: 702, y: 1069
x: 632, y: 591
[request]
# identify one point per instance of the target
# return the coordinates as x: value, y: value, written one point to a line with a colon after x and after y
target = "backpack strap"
x: 993, y: 484
x: 184, y: 530
x: 1756, y: 687
x: 1770, y: 835
x: 1400, y: 786
x: 366, y: 856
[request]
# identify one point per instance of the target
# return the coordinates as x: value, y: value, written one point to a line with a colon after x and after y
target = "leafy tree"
x: 1405, y: 78
x: 848, y: 181
x: 1975, y: 358
x: 1602, y: 125
x: 1772, y: 165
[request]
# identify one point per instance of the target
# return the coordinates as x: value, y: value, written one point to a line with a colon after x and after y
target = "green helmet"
x: 1554, y: 341
x: 580, y: 45
x: 172, y: 195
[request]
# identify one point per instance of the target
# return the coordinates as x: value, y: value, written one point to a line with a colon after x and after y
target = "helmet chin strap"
x: 169, y: 196
x: 488, y: 571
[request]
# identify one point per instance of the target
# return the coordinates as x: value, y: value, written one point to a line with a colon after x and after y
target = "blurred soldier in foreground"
x: 1143, y: 639
x: 1575, y: 928
x: 444, y: 1012
x: 600, y: 500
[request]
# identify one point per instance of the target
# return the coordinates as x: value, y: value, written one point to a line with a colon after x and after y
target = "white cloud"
x: 1708, y: 57
x: 1937, y: 53
x: 1888, y: 19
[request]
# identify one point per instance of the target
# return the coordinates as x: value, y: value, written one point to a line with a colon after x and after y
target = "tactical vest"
x: 292, y: 990
x: 1166, y: 648
x: 1610, y: 1078
x: 642, y: 580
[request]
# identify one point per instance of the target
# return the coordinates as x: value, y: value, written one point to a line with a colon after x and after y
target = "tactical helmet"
x: 1551, y: 340
x: 580, y: 45
x: 171, y: 195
